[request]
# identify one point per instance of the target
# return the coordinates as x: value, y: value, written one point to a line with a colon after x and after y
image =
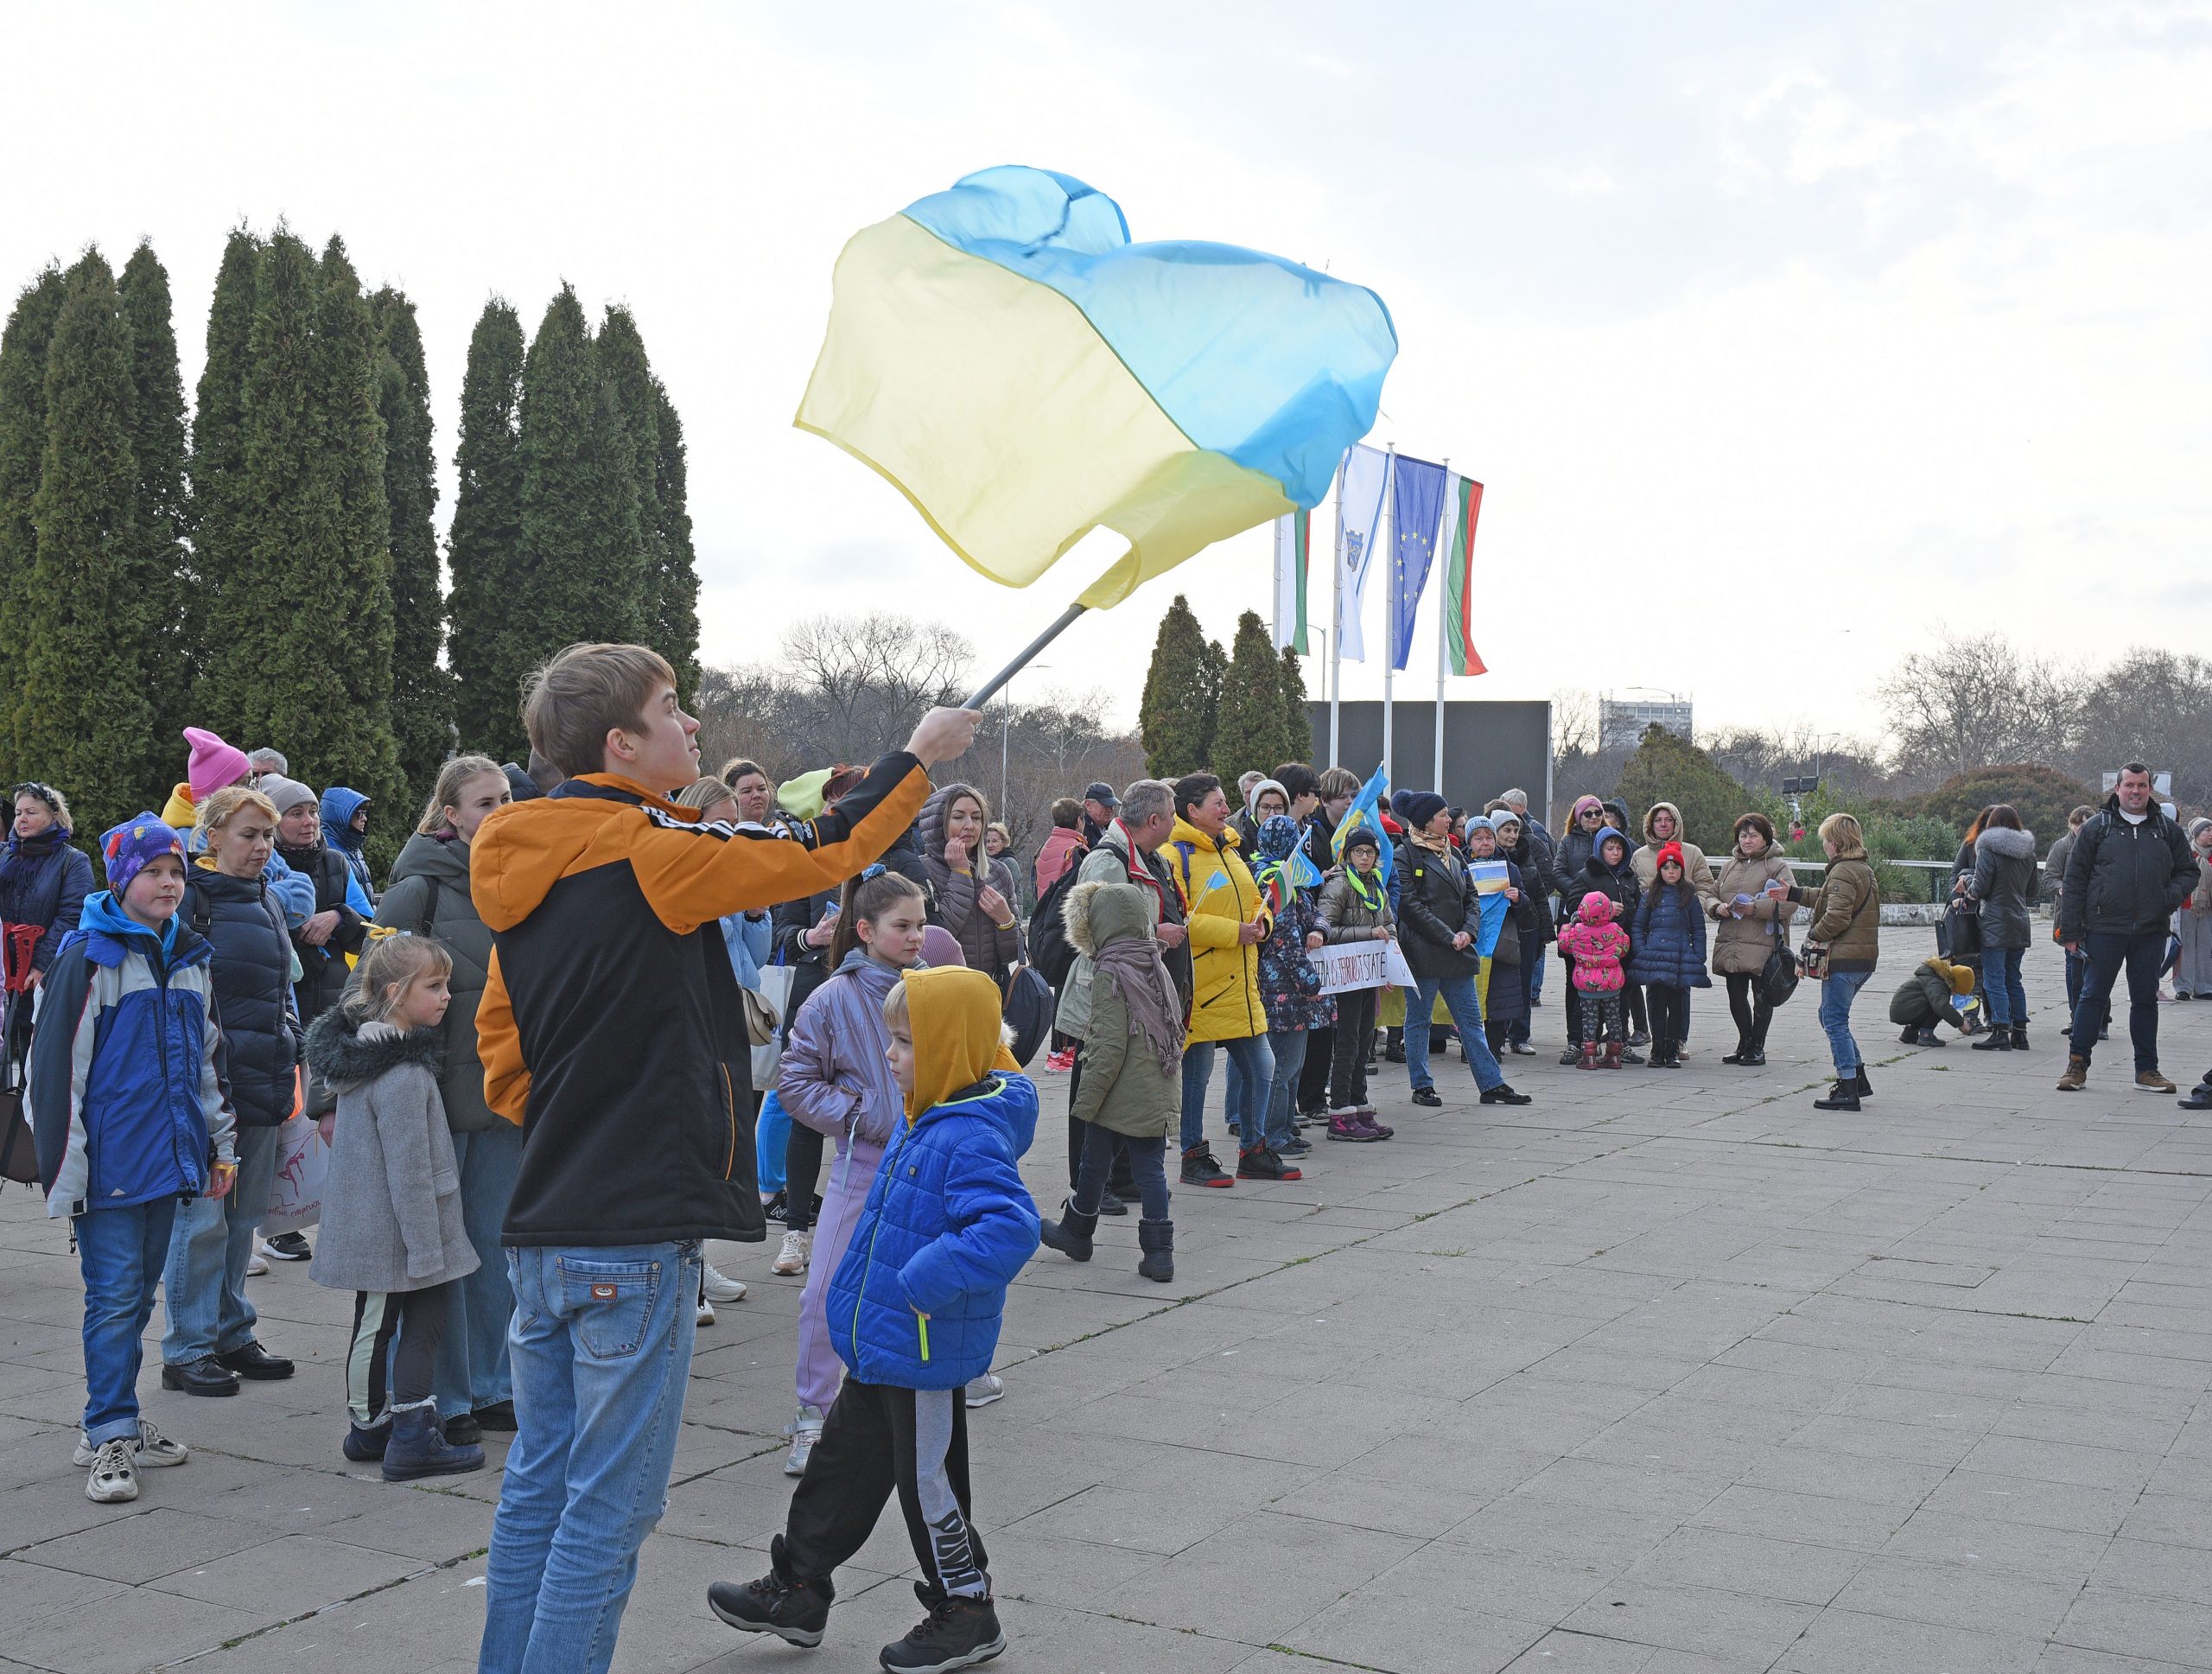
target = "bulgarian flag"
x: 1463, y: 504
x: 1293, y: 532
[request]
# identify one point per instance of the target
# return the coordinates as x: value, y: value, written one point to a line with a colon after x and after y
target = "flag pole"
x: 984, y: 693
x: 1443, y: 661
x: 1337, y: 617
x: 1389, y: 520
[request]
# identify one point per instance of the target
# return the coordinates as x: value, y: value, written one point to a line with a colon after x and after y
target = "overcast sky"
x: 1779, y: 335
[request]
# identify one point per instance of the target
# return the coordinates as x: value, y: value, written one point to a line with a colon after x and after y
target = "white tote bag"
x: 774, y: 985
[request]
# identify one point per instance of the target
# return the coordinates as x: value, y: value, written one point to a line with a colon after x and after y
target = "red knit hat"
x: 1670, y: 852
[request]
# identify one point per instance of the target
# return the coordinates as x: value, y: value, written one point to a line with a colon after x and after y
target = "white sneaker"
x: 798, y: 1249
x: 152, y: 1450
x: 982, y: 1390
x: 706, y: 1312
x: 721, y: 1288
x: 256, y: 1266
x: 114, y: 1479
x: 805, y: 1430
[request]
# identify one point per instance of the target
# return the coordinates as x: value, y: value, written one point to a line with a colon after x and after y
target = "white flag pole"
x: 1336, y: 619
x: 1443, y: 588
x: 1389, y: 520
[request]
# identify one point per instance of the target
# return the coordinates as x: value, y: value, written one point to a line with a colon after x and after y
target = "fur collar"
x: 2011, y: 845
x: 345, y: 1053
x: 1075, y: 913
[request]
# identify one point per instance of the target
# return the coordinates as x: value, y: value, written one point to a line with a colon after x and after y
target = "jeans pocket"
x: 610, y: 1304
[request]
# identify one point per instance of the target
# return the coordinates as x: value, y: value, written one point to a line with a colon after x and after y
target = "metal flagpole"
x: 1389, y: 519
x: 1337, y: 619
x: 1443, y: 660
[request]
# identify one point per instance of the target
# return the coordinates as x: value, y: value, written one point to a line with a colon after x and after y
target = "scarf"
x: 1134, y: 966
x: 25, y: 855
x: 1367, y: 886
x: 1422, y: 840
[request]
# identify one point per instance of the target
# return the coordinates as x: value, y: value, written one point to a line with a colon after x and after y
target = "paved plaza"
x: 1667, y: 1372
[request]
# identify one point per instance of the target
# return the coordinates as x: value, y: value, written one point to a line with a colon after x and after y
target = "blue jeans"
x: 1536, y: 977
x: 472, y: 1366
x: 601, y: 1346
x: 1837, y: 992
x: 1255, y: 1071
x: 203, y: 1286
x: 2141, y: 956
x: 2001, y: 982
x: 120, y: 1252
x: 1287, y: 1048
x: 1467, y: 1009
x: 771, y: 1134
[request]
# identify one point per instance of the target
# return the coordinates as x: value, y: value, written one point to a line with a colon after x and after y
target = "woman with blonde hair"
x: 1842, y: 949
x: 429, y: 895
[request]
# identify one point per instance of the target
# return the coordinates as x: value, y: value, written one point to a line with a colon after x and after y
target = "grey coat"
x: 391, y: 1202
x: 428, y: 896
x: 2004, y: 882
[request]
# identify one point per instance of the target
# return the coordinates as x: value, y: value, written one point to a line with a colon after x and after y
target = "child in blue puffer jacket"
x: 1668, y: 940
x: 915, y: 1314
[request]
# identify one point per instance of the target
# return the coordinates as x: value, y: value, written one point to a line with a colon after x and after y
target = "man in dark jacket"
x: 2130, y: 871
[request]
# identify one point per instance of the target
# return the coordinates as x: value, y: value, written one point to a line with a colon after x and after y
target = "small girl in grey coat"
x: 392, y: 1222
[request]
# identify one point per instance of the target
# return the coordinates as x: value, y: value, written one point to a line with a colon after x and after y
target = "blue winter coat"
x: 48, y: 891
x: 947, y: 1225
x: 1669, y: 939
x: 253, y: 990
x: 338, y: 806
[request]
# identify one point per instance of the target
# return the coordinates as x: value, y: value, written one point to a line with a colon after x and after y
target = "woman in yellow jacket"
x: 1228, y: 918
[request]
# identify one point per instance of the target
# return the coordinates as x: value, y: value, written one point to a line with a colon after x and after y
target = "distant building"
x: 1621, y: 721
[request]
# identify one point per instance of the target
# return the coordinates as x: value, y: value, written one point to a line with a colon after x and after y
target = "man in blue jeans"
x: 2130, y: 871
x: 604, y: 1031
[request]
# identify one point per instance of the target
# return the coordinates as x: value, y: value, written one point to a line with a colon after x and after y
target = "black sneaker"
x: 777, y: 1208
x: 792, y: 1611
x: 1641, y: 1038
x: 1200, y: 1169
x: 1110, y: 1203
x: 1260, y: 1163
x: 1502, y: 1093
x: 499, y: 1416
x: 957, y: 1633
x: 1428, y: 1098
x: 289, y: 1246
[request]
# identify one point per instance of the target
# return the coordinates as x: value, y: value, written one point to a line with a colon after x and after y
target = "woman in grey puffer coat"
x: 2003, y: 884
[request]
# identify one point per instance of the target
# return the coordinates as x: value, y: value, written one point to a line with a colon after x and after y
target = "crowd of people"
x: 535, y: 1055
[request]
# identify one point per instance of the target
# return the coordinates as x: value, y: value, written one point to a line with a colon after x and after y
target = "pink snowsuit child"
x: 1595, y: 943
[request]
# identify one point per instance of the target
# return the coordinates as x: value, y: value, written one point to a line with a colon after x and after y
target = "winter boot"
x: 2019, y: 1037
x: 1588, y: 1056
x: 1346, y: 1125
x: 1613, y: 1054
x: 1394, y: 1047
x: 1999, y: 1038
x: 958, y: 1632
x: 794, y: 1611
x: 1911, y: 1037
x: 366, y: 1446
x: 1072, y: 1235
x: 418, y: 1447
x: 1865, y: 1088
x: 1365, y: 1115
x: 2076, y: 1076
x: 1157, y: 1239
x: 1844, y: 1096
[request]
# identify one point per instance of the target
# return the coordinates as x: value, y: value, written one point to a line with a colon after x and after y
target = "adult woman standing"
x: 1532, y: 918
x: 2193, y: 977
x: 210, y: 1343
x: 975, y: 894
x: 2003, y: 882
x: 749, y: 790
x: 1847, y: 937
x: 1753, y: 916
x: 43, y: 883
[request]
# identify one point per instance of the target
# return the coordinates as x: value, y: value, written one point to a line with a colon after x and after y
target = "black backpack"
x: 1050, y: 951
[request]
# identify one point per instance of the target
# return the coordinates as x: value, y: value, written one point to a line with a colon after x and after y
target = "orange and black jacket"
x: 611, y: 1028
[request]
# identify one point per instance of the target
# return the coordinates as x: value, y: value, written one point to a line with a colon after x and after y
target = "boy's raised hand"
x: 943, y: 735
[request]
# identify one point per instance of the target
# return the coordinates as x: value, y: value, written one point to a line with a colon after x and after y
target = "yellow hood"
x: 954, y: 1013
x: 1959, y: 976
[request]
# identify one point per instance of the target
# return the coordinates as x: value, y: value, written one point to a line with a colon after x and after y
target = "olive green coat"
x: 1123, y: 1088
x: 1846, y: 913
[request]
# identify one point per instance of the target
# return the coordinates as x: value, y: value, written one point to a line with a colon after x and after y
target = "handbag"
x: 1963, y: 931
x: 773, y: 995
x: 1027, y: 1004
x: 1779, y: 976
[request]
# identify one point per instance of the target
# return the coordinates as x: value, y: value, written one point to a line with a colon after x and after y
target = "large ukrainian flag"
x: 1024, y: 373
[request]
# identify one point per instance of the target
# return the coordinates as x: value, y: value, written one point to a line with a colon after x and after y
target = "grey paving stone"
x: 1850, y: 1642
x: 1704, y: 1621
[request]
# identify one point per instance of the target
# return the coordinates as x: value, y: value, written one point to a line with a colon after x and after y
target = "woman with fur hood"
x: 2003, y: 884
x: 975, y: 893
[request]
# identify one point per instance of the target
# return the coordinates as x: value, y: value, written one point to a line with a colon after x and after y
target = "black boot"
x: 1072, y: 1235
x: 1394, y: 1047
x: 1157, y: 1239
x: 1998, y: 1038
x: 417, y: 1448
x: 1844, y: 1096
x: 2019, y: 1037
x: 1865, y: 1088
x: 1911, y: 1035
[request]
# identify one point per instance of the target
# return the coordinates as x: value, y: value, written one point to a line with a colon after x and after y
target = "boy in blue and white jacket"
x: 914, y: 1313
x: 130, y: 1112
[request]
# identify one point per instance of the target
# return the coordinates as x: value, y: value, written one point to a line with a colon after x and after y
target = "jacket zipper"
x: 729, y: 1108
x: 867, y: 1265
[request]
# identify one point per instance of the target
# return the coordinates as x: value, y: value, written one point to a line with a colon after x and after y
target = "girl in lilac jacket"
x: 835, y: 1079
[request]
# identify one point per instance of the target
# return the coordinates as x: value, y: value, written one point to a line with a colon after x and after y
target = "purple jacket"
x: 834, y: 1077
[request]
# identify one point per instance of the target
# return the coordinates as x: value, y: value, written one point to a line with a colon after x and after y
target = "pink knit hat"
x: 214, y: 764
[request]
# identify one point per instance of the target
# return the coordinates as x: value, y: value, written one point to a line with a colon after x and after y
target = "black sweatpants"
x: 879, y: 1440
x: 378, y: 1318
x: 1347, y: 1052
x: 1670, y: 1016
x: 1316, y: 1074
x: 802, y: 1169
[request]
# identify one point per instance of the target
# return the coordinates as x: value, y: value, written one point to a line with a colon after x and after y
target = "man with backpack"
x: 1125, y: 853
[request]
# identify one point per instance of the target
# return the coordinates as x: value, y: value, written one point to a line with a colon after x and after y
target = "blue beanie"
x: 1414, y: 809
x: 130, y: 847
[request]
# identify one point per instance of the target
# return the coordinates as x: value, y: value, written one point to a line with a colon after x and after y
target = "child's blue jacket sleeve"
x: 994, y: 1232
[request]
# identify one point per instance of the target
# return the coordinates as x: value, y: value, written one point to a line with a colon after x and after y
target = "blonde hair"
x: 56, y: 803
x: 1843, y: 830
x: 572, y: 702
x: 457, y: 772
x: 701, y: 794
x: 225, y: 805
x: 895, y: 1014
x: 390, y: 966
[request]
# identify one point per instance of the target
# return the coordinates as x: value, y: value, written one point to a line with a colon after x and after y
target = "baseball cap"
x: 1099, y: 791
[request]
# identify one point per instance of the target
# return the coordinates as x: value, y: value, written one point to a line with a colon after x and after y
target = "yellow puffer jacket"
x: 1219, y: 895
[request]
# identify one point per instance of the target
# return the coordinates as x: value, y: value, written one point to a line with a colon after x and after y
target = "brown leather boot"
x: 2076, y: 1076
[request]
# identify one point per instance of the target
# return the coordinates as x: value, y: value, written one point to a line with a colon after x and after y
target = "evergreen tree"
x: 1249, y: 733
x: 86, y: 714
x: 219, y: 532
x: 1213, y: 676
x: 163, y: 516
x: 1667, y: 767
x: 422, y: 695
x: 1297, y: 718
x: 627, y: 376
x: 674, y: 609
x: 1174, y: 717
x: 484, y: 548
x: 23, y: 455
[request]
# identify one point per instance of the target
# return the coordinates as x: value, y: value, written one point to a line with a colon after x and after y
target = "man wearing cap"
x: 1100, y: 804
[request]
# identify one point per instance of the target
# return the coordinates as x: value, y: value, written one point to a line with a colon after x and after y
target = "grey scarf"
x: 1134, y: 965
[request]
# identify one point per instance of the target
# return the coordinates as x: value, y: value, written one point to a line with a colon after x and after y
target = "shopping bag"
x: 773, y: 984
x: 303, y: 1164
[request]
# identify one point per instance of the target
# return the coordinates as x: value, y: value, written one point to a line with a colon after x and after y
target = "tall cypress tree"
x: 485, y: 545
x: 627, y: 376
x: 87, y: 715
x: 422, y: 697
x: 163, y: 514
x: 1174, y: 717
x: 1249, y: 733
x: 220, y: 535
x: 1297, y: 719
x: 23, y: 456
x: 676, y: 594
